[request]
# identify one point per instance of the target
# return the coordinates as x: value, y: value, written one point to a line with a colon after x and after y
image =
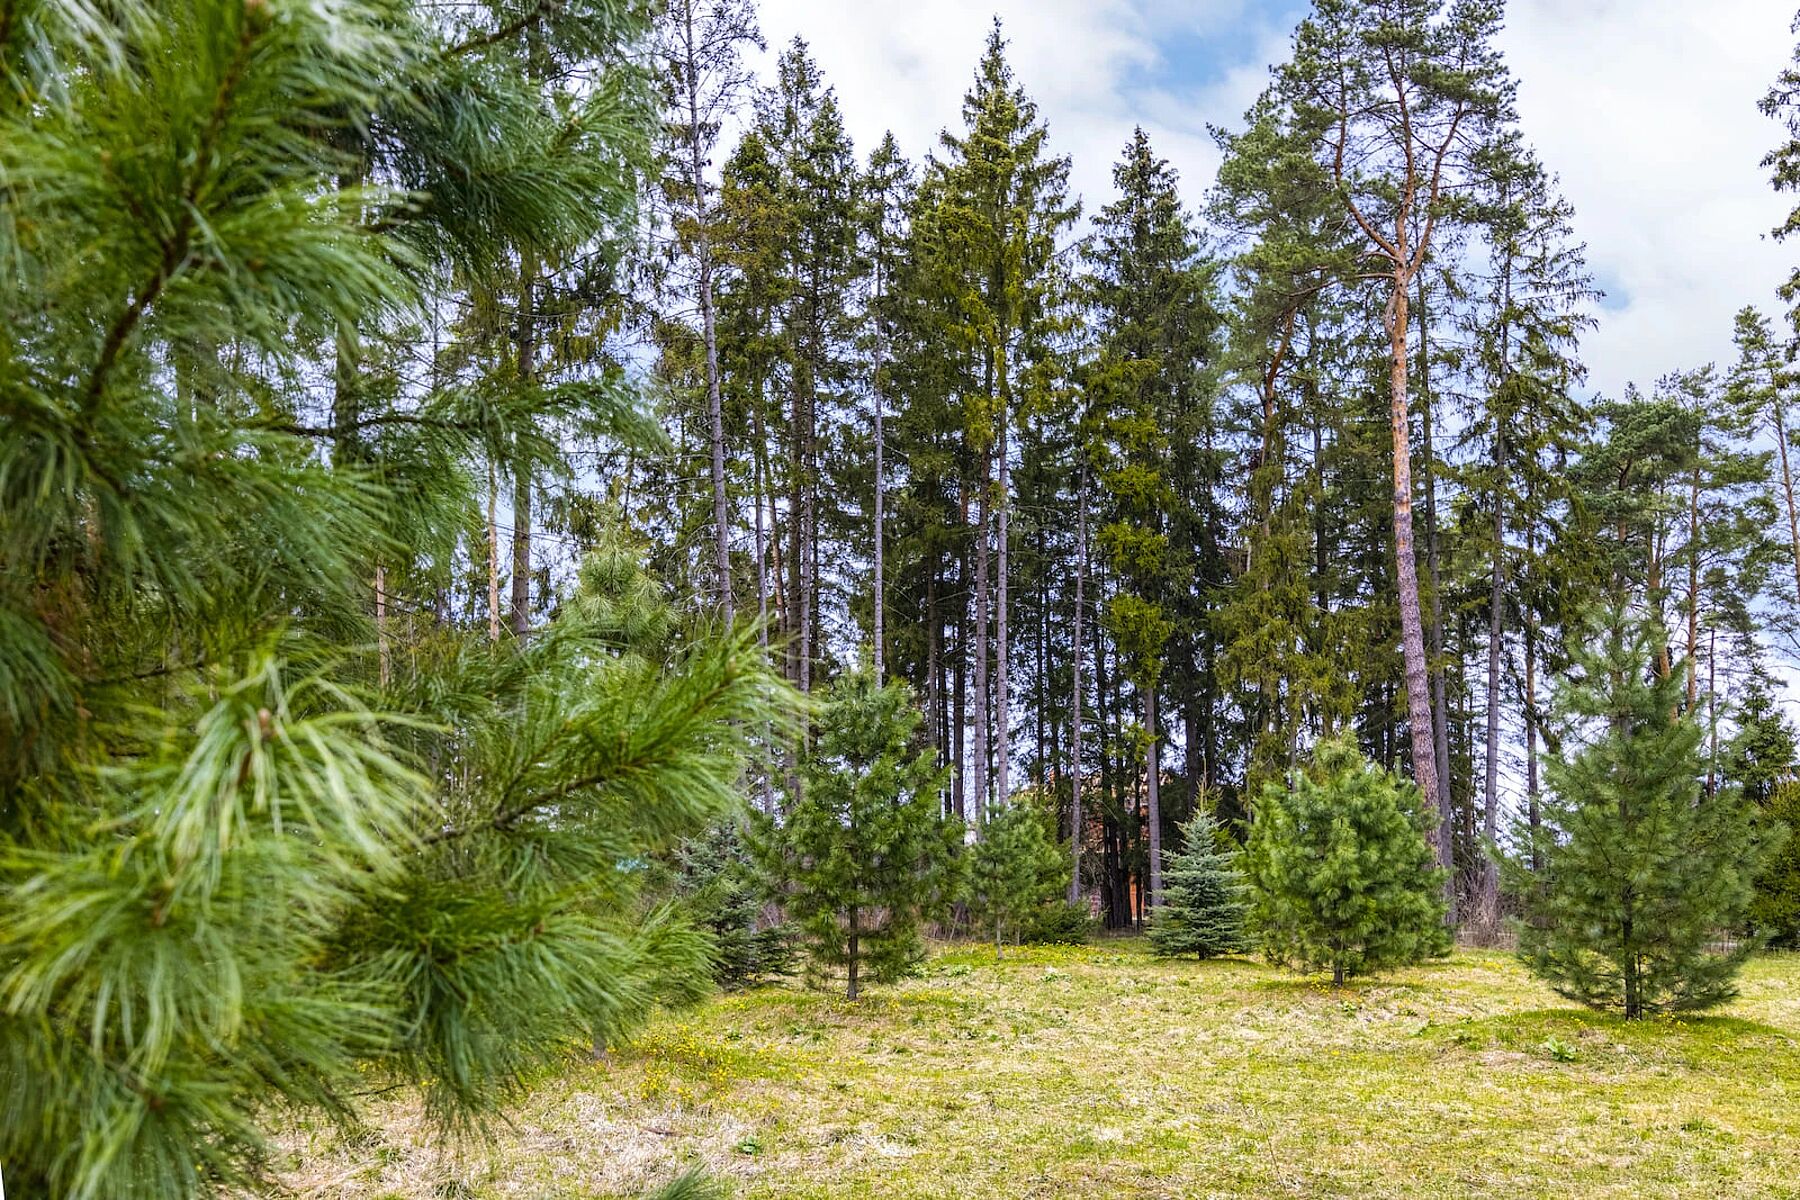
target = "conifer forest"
x: 570, y: 629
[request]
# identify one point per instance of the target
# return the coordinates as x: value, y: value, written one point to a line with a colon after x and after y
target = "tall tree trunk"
x: 1693, y: 598
x: 1002, y: 650
x: 1153, y: 794
x: 880, y: 584
x: 493, y: 554
x: 959, y: 781
x: 525, y: 353
x: 1531, y: 709
x: 1490, y: 800
x: 715, y: 406
x: 1489, y: 915
x: 382, y: 653
x: 1081, y: 513
x: 760, y: 467
x: 1440, y: 708
x: 983, y: 602
x: 1787, y: 482
x: 1412, y: 625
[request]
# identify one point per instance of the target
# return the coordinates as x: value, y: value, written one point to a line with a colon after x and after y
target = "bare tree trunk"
x: 1531, y: 712
x: 1412, y: 626
x: 381, y: 628
x: 759, y: 486
x: 880, y: 488
x: 1002, y: 653
x: 1693, y: 604
x: 1075, y: 698
x: 982, y: 604
x: 1787, y: 483
x: 1440, y: 707
x: 715, y: 407
x: 493, y: 555
x: 959, y: 717
x: 1489, y: 916
x: 525, y: 346
x: 1153, y: 794
x: 855, y: 955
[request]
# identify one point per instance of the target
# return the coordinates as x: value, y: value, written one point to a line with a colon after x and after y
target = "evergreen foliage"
x: 1641, y: 872
x: 862, y: 856
x: 1775, y: 906
x: 1340, y: 872
x: 717, y: 882
x: 267, y: 837
x: 1015, y: 872
x: 1206, y: 900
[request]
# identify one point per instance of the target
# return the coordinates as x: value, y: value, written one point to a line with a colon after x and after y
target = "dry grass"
x: 1100, y: 1072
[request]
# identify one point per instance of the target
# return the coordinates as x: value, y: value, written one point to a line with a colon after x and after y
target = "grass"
x: 1101, y: 1071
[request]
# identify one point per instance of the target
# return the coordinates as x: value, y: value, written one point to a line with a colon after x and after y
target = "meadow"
x: 1102, y: 1071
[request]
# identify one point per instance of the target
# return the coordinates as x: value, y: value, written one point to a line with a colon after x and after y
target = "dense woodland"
x: 474, y: 477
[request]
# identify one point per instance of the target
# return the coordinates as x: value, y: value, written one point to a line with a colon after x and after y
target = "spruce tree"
x: 1015, y: 871
x: 1641, y: 872
x: 1340, y: 870
x: 862, y: 856
x: 1206, y: 899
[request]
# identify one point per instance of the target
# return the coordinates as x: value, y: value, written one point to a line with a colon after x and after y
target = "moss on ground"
x: 1100, y: 1071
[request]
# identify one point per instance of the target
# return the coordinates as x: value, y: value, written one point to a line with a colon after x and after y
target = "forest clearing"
x: 1100, y: 1071
x: 708, y: 599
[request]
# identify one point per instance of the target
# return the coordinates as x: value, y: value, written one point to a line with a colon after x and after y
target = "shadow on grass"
x: 1693, y: 1039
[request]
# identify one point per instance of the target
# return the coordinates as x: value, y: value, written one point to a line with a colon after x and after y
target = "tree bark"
x: 493, y: 554
x: 982, y: 605
x: 1787, y: 481
x: 1075, y: 696
x: 1412, y: 628
x: 715, y: 407
x: 1440, y: 707
x: 1002, y: 651
x: 1153, y: 795
x: 525, y: 350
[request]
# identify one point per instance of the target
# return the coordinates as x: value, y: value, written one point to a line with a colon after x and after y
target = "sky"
x: 1646, y: 109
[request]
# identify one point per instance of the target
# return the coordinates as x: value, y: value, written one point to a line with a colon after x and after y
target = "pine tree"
x: 1392, y: 97
x: 1340, y: 871
x: 862, y: 856
x: 1641, y: 872
x: 1015, y: 871
x: 1206, y: 898
x: 256, y: 855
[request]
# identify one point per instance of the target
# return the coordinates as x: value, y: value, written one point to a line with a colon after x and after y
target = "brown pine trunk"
x: 854, y: 989
x: 983, y: 602
x: 493, y: 555
x: 1531, y: 712
x: 1153, y: 795
x: 1693, y: 598
x: 525, y: 352
x: 1489, y: 915
x: 381, y: 626
x: 1412, y: 625
x: 759, y: 465
x: 1440, y: 708
x: 1002, y: 652
x: 1075, y: 697
x: 715, y: 408
x: 1787, y: 483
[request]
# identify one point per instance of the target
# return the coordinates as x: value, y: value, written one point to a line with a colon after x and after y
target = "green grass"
x: 1101, y: 1071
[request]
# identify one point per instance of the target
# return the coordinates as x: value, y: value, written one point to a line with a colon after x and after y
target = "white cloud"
x: 1646, y: 108
x: 905, y: 66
